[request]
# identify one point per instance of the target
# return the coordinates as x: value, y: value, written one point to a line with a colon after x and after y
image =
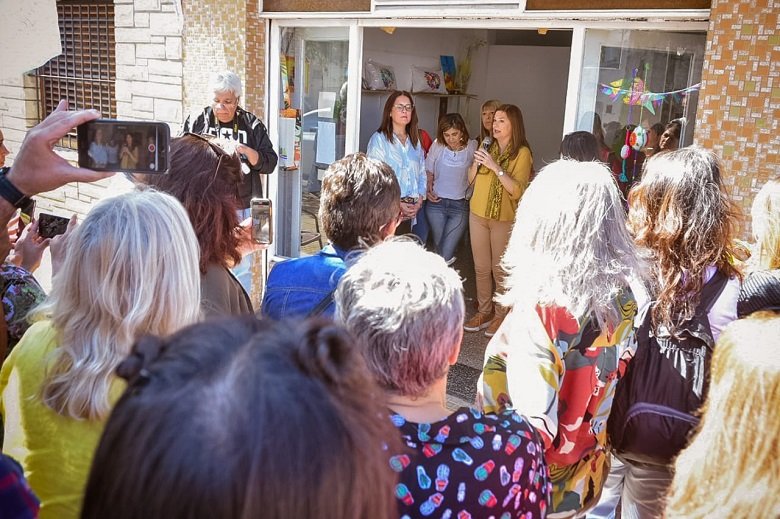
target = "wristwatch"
x: 9, y: 191
x: 500, y: 173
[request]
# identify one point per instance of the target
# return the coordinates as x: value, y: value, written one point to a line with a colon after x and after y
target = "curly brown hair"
x: 204, y: 175
x: 682, y: 217
x: 359, y: 196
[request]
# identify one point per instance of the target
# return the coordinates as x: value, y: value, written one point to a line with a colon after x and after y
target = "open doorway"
x: 525, y: 68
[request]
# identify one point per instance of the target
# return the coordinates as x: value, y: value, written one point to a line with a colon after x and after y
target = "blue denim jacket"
x: 296, y: 286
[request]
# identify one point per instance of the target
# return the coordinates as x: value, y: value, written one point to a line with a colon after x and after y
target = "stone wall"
x: 739, y: 108
x: 149, y: 61
x: 148, y: 35
x: 232, y: 40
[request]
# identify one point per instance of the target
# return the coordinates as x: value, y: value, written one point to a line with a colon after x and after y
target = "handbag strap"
x: 322, y: 305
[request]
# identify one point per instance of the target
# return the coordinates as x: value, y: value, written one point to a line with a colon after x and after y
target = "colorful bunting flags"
x: 635, y: 93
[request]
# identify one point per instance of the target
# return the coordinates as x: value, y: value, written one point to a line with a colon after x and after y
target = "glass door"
x: 311, y: 125
x: 638, y: 78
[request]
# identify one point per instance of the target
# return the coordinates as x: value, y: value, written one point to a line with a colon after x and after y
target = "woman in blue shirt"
x: 397, y: 143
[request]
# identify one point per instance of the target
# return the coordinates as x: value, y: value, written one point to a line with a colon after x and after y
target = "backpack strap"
x: 712, y: 291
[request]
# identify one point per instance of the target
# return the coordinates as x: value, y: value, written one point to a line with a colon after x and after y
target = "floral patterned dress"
x: 560, y: 370
x: 21, y: 293
x: 471, y: 465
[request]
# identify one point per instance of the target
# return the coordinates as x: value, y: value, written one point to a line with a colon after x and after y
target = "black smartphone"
x: 50, y: 225
x: 129, y: 146
x: 262, y: 220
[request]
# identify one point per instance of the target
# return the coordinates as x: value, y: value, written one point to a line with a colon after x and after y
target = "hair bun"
x: 326, y: 352
x: 134, y: 368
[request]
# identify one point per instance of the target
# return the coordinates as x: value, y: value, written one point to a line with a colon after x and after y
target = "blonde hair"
x: 765, y: 213
x: 732, y: 465
x: 490, y: 103
x: 574, y: 252
x: 131, y: 269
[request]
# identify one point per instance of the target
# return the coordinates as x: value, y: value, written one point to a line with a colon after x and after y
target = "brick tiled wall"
x: 213, y: 40
x: 219, y: 35
x: 148, y: 37
x: 739, y: 107
x: 255, y: 60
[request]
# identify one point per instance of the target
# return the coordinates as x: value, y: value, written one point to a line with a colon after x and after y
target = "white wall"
x: 533, y: 78
x: 402, y: 50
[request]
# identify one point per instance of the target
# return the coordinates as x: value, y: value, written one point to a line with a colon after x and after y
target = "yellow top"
x: 55, y: 451
x: 490, y: 199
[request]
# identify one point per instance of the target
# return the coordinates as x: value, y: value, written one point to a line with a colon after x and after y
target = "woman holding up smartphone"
x: 128, y: 157
x: 203, y: 176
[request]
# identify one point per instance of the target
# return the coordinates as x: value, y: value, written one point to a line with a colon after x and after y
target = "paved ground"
x: 462, y: 381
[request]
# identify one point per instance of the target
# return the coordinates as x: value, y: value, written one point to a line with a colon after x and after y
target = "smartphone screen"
x: 262, y: 222
x: 50, y: 225
x: 130, y: 146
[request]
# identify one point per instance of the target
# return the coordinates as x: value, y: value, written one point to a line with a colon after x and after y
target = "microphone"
x: 487, y: 142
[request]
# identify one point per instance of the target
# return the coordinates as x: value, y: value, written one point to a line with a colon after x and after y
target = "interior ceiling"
x: 553, y: 38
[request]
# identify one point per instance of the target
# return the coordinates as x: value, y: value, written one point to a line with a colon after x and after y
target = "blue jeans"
x: 448, y: 220
x: 420, y: 228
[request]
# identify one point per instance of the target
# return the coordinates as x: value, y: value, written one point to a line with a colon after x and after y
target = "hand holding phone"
x: 262, y: 220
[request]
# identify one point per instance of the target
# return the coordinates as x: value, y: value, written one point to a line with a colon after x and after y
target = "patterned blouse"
x: 471, y: 465
x: 561, y: 371
x: 407, y: 161
x: 21, y: 293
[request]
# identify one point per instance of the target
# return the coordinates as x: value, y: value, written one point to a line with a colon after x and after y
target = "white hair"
x: 405, y: 306
x: 226, y: 81
x: 131, y: 269
x: 570, y: 246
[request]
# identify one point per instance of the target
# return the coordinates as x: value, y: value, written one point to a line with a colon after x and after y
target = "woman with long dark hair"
x: 500, y: 175
x: 205, y: 176
x: 397, y: 143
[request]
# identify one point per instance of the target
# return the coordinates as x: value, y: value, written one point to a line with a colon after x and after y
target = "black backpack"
x: 656, y: 402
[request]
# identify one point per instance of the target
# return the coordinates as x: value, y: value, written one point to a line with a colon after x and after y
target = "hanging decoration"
x: 633, y: 93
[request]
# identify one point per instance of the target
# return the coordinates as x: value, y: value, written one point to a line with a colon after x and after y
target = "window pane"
x: 312, y: 126
x: 638, y: 78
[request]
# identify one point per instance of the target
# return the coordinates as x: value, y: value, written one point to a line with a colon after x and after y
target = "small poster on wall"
x: 448, y: 68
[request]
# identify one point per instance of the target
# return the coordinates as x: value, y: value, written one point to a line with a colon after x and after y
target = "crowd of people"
x: 631, y: 371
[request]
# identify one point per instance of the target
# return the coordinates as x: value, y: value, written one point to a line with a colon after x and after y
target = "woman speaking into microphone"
x: 500, y: 173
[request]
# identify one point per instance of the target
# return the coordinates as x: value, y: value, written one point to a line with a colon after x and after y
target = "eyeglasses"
x: 404, y: 108
x: 227, y: 103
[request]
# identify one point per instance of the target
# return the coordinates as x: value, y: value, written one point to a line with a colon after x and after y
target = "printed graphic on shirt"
x: 471, y: 465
